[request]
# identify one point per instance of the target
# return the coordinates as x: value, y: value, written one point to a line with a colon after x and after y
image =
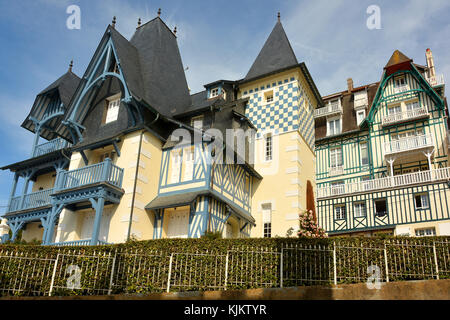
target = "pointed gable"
x: 162, y: 71
x: 397, y: 58
x: 276, y: 54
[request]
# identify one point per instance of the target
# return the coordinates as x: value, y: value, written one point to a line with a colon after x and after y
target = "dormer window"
x: 197, y: 122
x: 112, y: 109
x: 360, y: 116
x: 214, y: 93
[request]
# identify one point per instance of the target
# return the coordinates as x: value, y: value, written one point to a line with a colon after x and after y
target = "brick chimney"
x: 350, y: 85
x: 430, y: 63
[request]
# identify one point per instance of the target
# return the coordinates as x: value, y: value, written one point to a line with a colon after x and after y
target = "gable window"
x: 268, y: 96
x: 112, y: 109
x: 360, y: 116
x: 334, y: 126
x: 359, y: 209
x: 268, y: 147
x: 413, y: 106
x: 267, y: 220
x: 364, y: 154
x: 380, y: 207
x: 428, y: 232
x: 214, y: 92
x: 400, y: 82
x: 336, y: 157
x: 339, y: 212
x: 394, y: 110
x: 197, y: 122
x: 422, y: 201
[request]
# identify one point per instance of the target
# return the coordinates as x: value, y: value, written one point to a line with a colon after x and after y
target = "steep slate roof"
x: 276, y: 54
x: 66, y: 85
x: 397, y: 58
x: 164, y: 81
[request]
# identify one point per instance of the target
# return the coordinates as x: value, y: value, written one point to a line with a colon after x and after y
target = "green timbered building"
x: 382, y: 154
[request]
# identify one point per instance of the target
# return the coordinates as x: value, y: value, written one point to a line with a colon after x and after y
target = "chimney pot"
x: 350, y: 84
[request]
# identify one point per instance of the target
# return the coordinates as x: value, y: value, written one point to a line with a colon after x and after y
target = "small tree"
x: 309, y: 227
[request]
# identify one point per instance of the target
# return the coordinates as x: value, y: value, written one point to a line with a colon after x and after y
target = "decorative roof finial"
x: 279, y: 16
x: 139, y: 23
x: 114, y: 22
x: 70, y: 65
x: 175, y: 30
x: 159, y: 12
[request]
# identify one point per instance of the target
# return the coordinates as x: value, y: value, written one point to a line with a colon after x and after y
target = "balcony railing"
x: 401, y: 89
x: 32, y: 200
x: 385, y: 183
x: 50, y: 146
x: 336, y: 171
x: 437, y: 80
x: 408, y: 144
x: 331, y: 108
x: 405, y: 115
x: 104, y: 172
x: 76, y: 243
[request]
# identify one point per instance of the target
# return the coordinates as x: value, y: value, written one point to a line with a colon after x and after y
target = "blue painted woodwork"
x: 31, y: 200
x: 50, y: 146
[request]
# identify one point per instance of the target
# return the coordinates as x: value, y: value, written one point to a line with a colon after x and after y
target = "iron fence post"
x: 334, y: 263
x: 386, y: 263
x: 281, y: 268
x: 436, y: 260
x: 226, y: 270
x: 170, y: 272
x: 53, y: 276
x: 112, y: 273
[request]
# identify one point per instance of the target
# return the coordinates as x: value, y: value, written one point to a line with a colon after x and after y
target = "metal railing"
x: 119, y: 271
x: 437, y: 80
x: 31, y: 200
x: 405, y: 115
x: 104, y: 172
x: 331, y: 108
x: 336, y: 171
x: 50, y: 146
x: 401, y: 89
x: 384, y: 183
x: 76, y: 243
x: 408, y: 144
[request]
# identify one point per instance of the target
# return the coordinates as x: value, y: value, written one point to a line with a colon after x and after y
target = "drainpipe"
x: 135, y: 184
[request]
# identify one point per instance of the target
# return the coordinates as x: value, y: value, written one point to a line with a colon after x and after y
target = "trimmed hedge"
x: 200, y: 264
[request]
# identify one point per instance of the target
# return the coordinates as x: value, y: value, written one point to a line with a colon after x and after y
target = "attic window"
x: 268, y: 96
x: 214, y: 93
x: 112, y: 109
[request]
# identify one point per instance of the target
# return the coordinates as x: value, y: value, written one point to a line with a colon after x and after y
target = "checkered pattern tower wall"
x: 290, y: 110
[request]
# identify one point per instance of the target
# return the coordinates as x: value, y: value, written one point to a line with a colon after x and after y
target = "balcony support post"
x: 36, y: 137
x: 429, y: 155
x: 49, y: 227
x: 98, y: 206
x: 15, y: 228
x: 13, y: 190
x: 391, y: 169
x: 27, y: 176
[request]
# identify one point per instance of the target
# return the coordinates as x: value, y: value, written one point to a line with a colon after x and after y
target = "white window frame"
x: 359, y: 210
x: 412, y: 105
x: 188, y: 163
x: 175, y: 165
x: 112, y: 109
x: 214, y: 92
x: 267, y: 220
x: 362, y: 146
x: 397, y: 109
x: 334, y: 131
x: 424, y: 201
x: 425, y: 232
x: 336, y: 153
x: 340, y: 212
x: 197, y: 122
x: 358, y: 119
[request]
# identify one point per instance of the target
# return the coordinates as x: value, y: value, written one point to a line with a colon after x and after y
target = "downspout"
x: 135, y: 185
x: 136, y: 176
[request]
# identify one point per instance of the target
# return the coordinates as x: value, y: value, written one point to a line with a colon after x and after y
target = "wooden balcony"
x: 104, y: 172
x: 409, y: 144
x: 330, y: 109
x: 50, y: 146
x: 29, y: 201
x: 437, y: 80
x: 336, y: 171
x: 399, y: 181
x: 421, y: 113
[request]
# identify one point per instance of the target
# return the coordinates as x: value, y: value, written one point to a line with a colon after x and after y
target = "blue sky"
x: 217, y: 40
